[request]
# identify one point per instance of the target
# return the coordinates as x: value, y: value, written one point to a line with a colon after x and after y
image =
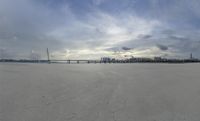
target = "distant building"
x: 105, y: 59
x: 157, y: 58
x: 141, y: 59
x: 191, y: 56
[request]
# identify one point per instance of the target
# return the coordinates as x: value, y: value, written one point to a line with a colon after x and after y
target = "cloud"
x: 5, y: 53
x: 102, y: 30
x: 25, y: 25
x: 176, y: 37
x: 126, y: 48
x: 162, y: 47
x: 98, y: 27
x: 141, y: 36
x: 117, y: 31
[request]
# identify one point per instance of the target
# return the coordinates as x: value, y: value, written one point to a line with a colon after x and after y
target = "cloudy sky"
x: 94, y: 28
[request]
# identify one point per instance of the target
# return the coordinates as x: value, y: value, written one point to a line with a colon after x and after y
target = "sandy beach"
x: 99, y: 92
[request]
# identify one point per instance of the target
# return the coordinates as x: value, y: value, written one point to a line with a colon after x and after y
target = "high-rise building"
x: 191, y: 56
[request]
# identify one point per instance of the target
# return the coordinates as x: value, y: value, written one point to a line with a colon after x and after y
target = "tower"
x: 48, y: 55
x: 191, y: 56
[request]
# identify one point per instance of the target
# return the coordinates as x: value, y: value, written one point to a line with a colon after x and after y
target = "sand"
x: 99, y: 92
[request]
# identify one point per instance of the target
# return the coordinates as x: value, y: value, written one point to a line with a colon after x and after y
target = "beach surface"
x: 99, y: 92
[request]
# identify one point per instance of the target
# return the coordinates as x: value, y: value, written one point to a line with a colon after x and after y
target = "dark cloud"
x: 119, y: 49
x: 126, y: 48
x: 174, y: 37
x: 142, y: 36
x: 162, y: 47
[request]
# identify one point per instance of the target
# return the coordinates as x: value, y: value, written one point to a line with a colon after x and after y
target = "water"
x: 99, y: 92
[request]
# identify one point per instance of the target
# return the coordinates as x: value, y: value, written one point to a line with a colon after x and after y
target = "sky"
x: 91, y: 29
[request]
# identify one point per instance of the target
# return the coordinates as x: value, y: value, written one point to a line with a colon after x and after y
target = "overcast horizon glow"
x: 90, y: 29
